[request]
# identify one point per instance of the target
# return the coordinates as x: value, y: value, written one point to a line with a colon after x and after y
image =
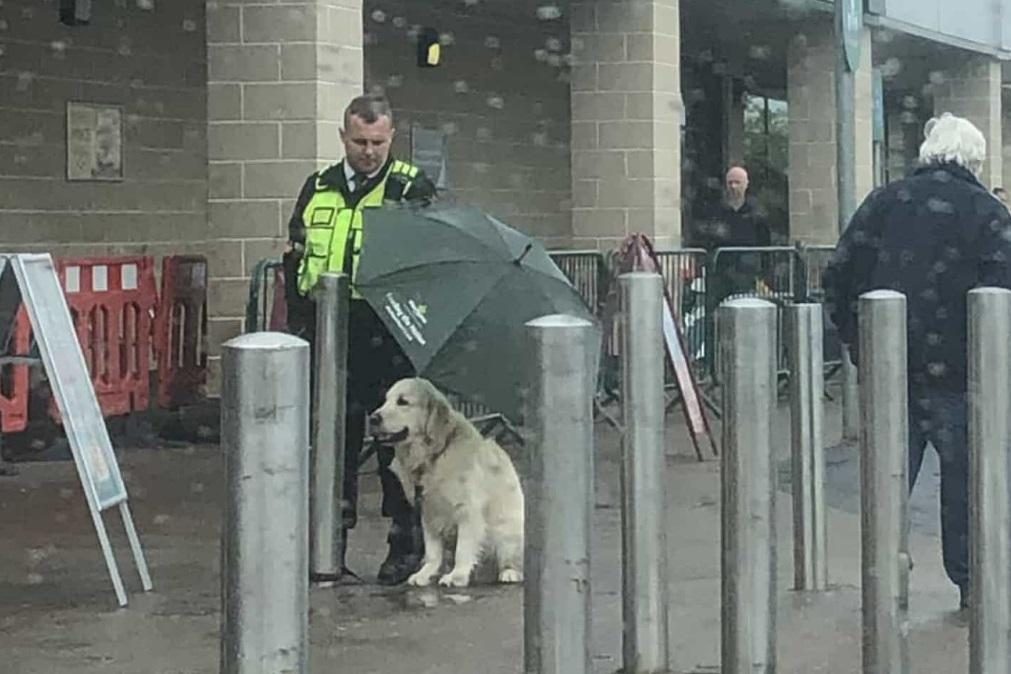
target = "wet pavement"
x: 58, y: 612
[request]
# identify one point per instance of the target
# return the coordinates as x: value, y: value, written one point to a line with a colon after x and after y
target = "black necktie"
x: 360, y: 179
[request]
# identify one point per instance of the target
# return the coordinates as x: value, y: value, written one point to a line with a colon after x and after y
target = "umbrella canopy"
x: 455, y: 287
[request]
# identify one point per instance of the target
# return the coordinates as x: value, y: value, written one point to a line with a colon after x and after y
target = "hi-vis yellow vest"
x: 334, y: 232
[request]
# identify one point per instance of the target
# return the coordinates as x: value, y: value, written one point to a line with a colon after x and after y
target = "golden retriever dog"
x: 467, y: 484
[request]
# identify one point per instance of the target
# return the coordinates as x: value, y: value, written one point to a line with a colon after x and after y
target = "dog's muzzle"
x: 391, y: 438
x: 375, y: 428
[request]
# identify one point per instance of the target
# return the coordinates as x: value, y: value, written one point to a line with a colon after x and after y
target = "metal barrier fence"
x: 588, y: 273
x: 264, y: 285
x: 815, y: 260
x: 586, y: 269
x: 685, y: 274
x: 772, y: 273
x: 696, y: 281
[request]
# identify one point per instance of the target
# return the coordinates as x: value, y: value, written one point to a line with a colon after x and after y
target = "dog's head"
x: 414, y: 411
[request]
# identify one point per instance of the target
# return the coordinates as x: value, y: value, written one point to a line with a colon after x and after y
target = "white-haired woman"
x: 933, y: 236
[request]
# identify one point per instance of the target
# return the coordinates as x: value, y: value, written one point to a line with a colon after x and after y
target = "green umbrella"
x: 455, y: 287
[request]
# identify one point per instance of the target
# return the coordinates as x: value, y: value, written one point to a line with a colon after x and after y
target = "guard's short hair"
x: 953, y: 139
x: 369, y: 108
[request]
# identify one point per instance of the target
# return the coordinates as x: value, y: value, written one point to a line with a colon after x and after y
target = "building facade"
x: 187, y: 126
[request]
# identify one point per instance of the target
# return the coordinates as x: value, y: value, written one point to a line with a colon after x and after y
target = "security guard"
x: 325, y: 234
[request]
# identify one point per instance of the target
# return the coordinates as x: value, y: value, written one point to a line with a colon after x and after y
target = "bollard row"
x: 265, y: 433
x: 265, y: 537
x: 747, y: 329
x: 884, y: 490
x: 989, y: 440
x: 326, y: 493
x: 643, y: 531
x: 807, y: 390
x: 559, y: 501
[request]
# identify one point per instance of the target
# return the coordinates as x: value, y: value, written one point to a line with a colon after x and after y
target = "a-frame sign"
x: 32, y: 279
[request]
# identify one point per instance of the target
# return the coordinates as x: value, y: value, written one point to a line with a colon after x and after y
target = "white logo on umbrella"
x: 403, y: 319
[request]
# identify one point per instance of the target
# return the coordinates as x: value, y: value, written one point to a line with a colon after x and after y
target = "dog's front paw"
x: 455, y: 579
x: 510, y: 576
x: 422, y: 578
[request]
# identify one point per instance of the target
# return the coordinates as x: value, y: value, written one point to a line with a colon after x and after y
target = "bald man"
x: 738, y: 220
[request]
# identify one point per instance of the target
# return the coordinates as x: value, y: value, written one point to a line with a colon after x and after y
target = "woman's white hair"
x: 951, y: 139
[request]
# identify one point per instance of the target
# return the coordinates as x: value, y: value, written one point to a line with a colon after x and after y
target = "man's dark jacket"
x: 932, y: 236
x: 726, y: 227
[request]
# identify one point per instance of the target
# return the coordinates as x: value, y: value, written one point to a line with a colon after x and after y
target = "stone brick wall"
x: 120, y: 59
x: 502, y: 95
x: 279, y: 77
x: 973, y: 91
x: 626, y: 117
x: 814, y: 210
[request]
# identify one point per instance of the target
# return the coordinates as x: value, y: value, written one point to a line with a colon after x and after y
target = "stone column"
x: 279, y: 77
x: 812, y: 111
x: 1006, y: 139
x: 973, y: 91
x: 626, y: 121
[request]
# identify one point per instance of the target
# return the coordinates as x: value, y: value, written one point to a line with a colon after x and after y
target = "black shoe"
x: 407, y: 552
x: 398, y: 567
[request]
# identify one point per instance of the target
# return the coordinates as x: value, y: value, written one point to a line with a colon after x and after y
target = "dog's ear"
x: 436, y: 418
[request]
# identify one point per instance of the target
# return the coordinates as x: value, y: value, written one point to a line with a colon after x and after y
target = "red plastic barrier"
x: 112, y: 301
x: 181, y: 331
x: 14, y: 382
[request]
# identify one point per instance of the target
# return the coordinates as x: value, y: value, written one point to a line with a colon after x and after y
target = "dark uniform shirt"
x: 729, y: 227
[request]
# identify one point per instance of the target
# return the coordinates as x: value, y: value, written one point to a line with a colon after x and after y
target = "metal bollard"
x: 326, y: 487
x: 989, y: 440
x: 559, y: 501
x: 884, y: 486
x: 850, y: 398
x: 807, y: 390
x: 643, y: 530
x: 265, y: 536
x: 747, y: 353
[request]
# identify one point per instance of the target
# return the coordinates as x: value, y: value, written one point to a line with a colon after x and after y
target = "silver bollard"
x: 884, y: 487
x: 850, y: 399
x: 265, y: 534
x: 989, y: 440
x: 807, y: 392
x: 559, y: 500
x: 326, y: 487
x: 747, y: 329
x: 643, y: 530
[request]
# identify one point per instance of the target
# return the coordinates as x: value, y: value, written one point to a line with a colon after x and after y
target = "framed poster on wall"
x: 94, y: 142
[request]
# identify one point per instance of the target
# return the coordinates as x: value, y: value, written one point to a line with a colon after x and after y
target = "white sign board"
x: 54, y: 333
x: 64, y: 362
